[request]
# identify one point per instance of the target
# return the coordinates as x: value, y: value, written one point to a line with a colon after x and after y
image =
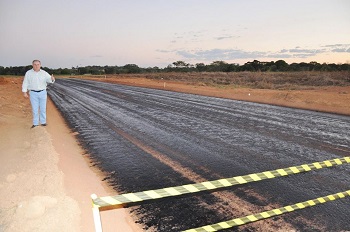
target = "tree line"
x: 181, y: 66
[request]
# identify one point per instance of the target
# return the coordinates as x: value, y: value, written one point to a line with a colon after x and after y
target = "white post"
x: 96, y: 214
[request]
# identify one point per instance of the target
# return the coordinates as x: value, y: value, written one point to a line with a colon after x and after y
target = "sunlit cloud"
x: 337, y: 45
x: 187, y: 54
x: 306, y: 51
x: 215, y: 54
x: 230, y: 54
x: 341, y: 50
x: 227, y: 37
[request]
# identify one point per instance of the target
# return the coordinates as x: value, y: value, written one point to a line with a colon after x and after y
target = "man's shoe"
x: 33, y: 126
x: 44, y: 124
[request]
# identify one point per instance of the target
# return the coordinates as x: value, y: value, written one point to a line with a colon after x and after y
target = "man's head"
x: 36, y: 65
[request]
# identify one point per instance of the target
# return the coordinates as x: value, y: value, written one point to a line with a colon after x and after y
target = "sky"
x: 71, y: 33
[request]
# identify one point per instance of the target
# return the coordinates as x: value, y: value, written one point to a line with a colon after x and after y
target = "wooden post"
x: 96, y: 215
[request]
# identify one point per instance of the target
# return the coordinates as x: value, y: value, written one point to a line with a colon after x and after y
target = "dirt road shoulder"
x: 45, y: 182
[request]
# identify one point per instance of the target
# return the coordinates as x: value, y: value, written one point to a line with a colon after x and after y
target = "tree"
x: 131, y: 68
x: 333, y: 67
x: 110, y: 69
x: 256, y: 65
x: 281, y: 65
x: 66, y: 71
x: 294, y: 67
x: 154, y: 69
x: 233, y: 68
x: 345, y: 67
x: 273, y: 68
x: 201, y: 67
x: 180, y: 64
x: 304, y: 66
x: 314, y: 66
x: 219, y: 66
x: 247, y: 67
x: 82, y: 70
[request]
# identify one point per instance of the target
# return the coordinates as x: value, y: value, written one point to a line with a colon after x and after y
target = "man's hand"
x: 25, y: 94
x: 52, y: 78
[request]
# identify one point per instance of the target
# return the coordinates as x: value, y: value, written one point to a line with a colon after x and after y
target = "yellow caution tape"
x: 215, y: 184
x: 270, y: 213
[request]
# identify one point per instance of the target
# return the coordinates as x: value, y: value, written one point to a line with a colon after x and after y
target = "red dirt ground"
x: 43, y: 168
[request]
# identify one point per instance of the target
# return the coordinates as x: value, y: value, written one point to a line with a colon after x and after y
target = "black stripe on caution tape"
x: 270, y: 213
x: 210, y: 185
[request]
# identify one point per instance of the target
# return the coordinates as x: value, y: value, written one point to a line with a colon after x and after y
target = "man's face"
x: 36, y: 66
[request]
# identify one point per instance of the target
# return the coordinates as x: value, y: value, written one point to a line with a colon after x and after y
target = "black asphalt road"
x: 148, y: 139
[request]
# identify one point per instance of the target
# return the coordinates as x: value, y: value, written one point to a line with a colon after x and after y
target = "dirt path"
x: 45, y: 182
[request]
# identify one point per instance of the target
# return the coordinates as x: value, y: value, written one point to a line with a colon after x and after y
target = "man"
x: 35, y: 82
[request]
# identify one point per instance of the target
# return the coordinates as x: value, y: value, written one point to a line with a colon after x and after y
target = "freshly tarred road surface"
x: 147, y: 139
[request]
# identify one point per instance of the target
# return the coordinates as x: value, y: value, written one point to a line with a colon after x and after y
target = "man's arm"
x: 25, y: 86
x: 49, y: 79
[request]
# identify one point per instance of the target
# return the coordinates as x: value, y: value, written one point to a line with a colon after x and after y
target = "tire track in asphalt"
x: 228, y: 199
x: 211, y: 138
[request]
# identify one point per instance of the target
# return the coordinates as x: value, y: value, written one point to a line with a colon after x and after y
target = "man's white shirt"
x: 36, y: 80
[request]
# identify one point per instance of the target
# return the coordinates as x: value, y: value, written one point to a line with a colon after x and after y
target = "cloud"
x: 341, y: 50
x: 96, y: 56
x: 303, y: 55
x: 186, y: 54
x: 279, y: 56
x: 189, y: 36
x: 305, y: 51
x: 226, y: 37
x: 163, y: 51
x: 337, y: 45
x: 219, y: 54
x: 231, y: 54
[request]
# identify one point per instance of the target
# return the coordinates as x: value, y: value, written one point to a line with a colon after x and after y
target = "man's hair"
x: 36, y: 61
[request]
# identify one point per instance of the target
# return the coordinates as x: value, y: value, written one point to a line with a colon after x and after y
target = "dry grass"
x: 257, y: 80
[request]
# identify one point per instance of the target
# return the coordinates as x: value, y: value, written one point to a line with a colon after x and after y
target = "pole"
x: 96, y: 215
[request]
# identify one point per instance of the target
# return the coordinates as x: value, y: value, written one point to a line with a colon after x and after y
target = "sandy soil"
x: 45, y: 179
